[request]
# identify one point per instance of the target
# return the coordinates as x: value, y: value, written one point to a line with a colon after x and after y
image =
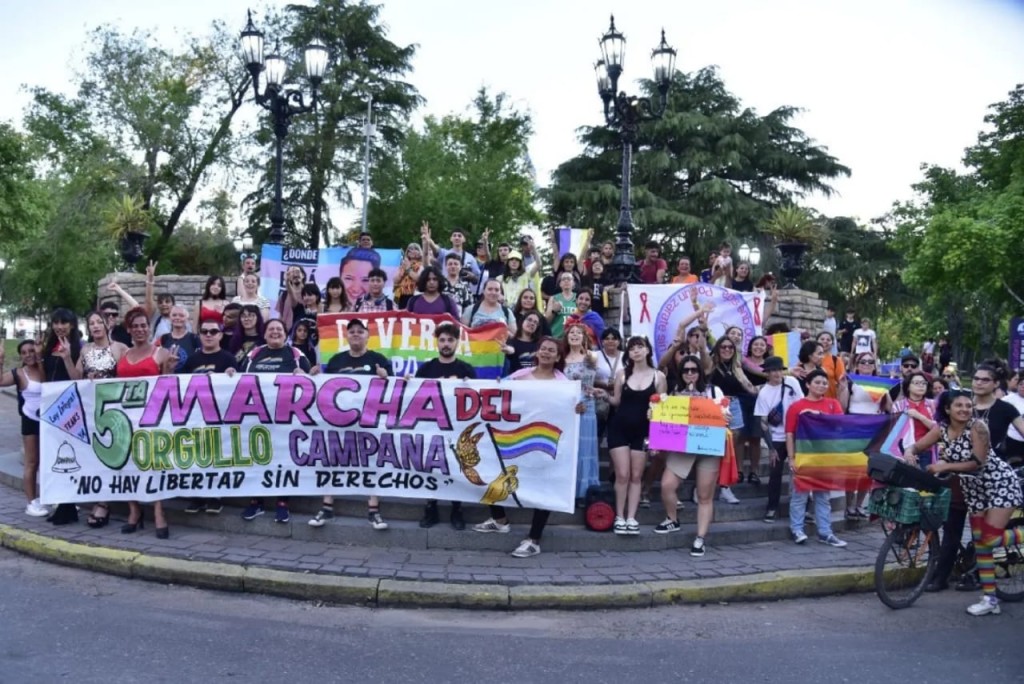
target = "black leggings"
x: 952, y: 533
x: 775, y: 476
x: 540, y: 520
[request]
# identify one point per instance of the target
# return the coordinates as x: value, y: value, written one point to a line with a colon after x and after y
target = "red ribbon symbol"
x: 645, y: 314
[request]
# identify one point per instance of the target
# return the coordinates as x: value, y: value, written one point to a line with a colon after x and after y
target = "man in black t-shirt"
x: 209, y: 358
x: 845, y: 330
x: 445, y: 366
x: 998, y: 414
x: 358, y: 360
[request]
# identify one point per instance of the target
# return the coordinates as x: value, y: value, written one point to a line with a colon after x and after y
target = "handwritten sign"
x: 692, y: 425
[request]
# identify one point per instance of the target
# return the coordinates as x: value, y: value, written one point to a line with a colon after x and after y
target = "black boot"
x: 64, y: 514
x: 430, y: 515
x: 458, y: 522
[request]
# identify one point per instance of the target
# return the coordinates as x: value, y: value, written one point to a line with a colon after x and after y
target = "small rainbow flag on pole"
x: 536, y: 436
x: 830, y: 451
x: 875, y: 385
x: 786, y: 346
x: 571, y: 240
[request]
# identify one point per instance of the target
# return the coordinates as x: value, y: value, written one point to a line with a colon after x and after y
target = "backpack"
x: 476, y: 307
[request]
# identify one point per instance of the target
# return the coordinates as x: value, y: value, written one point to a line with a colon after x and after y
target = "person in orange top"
x: 834, y: 368
x: 685, y: 276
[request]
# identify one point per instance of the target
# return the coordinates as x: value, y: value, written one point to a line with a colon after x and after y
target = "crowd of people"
x: 557, y: 332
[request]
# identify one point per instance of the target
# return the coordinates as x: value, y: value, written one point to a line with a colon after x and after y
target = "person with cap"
x: 773, y: 401
x: 358, y: 360
x: 517, y: 276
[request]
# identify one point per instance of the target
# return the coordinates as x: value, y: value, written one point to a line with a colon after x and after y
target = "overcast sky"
x: 886, y: 84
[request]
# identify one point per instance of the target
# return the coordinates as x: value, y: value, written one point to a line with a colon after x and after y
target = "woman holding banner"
x: 692, y: 383
x: 276, y: 356
x: 549, y: 365
x: 144, y: 360
x: 859, y: 401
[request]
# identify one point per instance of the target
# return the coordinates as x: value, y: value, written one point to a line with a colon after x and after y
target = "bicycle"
x: 911, y: 519
x: 907, y: 558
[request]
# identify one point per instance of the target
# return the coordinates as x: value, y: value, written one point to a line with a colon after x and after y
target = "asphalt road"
x: 59, y: 624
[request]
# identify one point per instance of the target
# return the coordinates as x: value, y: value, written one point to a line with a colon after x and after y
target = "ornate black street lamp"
x: 626, y: 113
x: 282, y: 102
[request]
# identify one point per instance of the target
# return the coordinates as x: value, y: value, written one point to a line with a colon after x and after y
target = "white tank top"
x: 32, y: 396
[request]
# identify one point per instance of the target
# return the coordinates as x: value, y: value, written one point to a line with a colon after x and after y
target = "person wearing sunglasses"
x: 909, y: 365
x: 727, y: 373
x: 118, y: 333
x: 209, y: 358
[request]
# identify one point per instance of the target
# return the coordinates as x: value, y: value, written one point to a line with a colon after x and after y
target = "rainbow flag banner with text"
x: 407, y: 339
x: 257, y: 435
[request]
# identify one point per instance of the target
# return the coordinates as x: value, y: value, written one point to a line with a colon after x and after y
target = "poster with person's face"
x: 283, y: 271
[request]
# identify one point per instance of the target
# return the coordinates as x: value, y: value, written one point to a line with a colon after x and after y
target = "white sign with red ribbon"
x: 657, y: 310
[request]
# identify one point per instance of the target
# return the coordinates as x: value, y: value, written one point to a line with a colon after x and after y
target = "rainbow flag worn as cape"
x: 407, y: 339
x: 831, y: 451
x: 571, y: 240
x: 875, y: 385
x: 786, y: 346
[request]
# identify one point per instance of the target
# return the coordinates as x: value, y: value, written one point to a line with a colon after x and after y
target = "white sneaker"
x: 377, y: 522
x: 727, y: 496
x: 36, y: 509
x: 799, y: 537
x: 632, y: 527
x: 492, y: 525
x: 986, y: 606
x: 526, y: 549
x: 620, y: 526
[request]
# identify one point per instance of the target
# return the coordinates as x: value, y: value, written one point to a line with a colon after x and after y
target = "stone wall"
x: 187, y: 290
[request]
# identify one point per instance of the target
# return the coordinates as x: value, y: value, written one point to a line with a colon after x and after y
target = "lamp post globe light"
x: 626, y: 113
x: 755, y: 256
x: 283, y: 102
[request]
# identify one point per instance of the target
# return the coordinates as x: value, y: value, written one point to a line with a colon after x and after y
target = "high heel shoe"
x: 163, y: 532
x: 97, y: 521
x: 130, y: 527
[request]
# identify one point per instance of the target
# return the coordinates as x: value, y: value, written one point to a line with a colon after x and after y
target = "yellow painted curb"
x: 586, y: 596
x: 96, y: 558
x: 310, y: 587
x: 410, y: 593
x: 769, y: 586
x: 223, y: 576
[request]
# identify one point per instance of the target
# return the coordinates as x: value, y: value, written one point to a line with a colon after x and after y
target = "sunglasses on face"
x: 209, y: 331
x: 727, y: 347
x: 690, y: 369
x: 867, y: 362
x: 110, y: 314
x: 948, y: 377
x: 910, y: 365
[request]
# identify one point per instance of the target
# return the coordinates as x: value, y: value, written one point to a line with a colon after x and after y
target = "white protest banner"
x: 657, y: 310
x: 147, y: 439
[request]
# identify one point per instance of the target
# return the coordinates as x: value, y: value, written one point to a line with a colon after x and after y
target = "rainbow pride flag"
x: 786, y: 346
x: 830, y: 451
x: 407, y: 340
x: 875, y: 385
x: 571, y: 240
x: 536, y: 436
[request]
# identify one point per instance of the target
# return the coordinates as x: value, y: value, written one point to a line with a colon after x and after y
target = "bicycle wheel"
x: 1010, y: 570
x: 905, y: 564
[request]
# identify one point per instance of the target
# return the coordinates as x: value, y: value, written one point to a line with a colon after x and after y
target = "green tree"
x: 710, y: 168
x: 23, y: 199
x: 323, y: 150
x: 964, y: 236
x: 467, y: 171
x: 170, y: 112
